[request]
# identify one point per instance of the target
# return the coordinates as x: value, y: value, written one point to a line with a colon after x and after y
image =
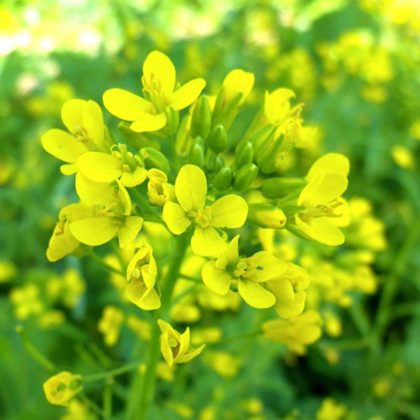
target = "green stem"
x: 34, y: 352
x: 105, y: 265
x: 240, y: 337
x: 391, y: 285
x: 142, y: 389
x: 111, y: 373
x: 107, y: 399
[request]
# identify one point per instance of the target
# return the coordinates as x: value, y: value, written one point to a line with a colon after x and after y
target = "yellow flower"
x: 61, y: 388
x: 175, y: 347
x: 108, y: 214
x: 77, y: 410
x: 223, y: 363
x: 235, y: 89
x: 403, y: 157
x: 159, y: 86
x: 331, y: 410
x: 324, y: 211
x: 295, y: 333
x: 110, y: 324
x: 159, y: 191
x: 141, y: 277
x: 62, y: 242
x: 290, y: 291
x: 119, y: 164
x: 248, y: 273
x: 277, y: 105
x: 229, y: 212
x: 27, y: 301
x: 84, y: 121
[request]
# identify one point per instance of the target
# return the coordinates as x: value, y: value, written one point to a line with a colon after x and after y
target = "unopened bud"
x: 196, y: 155
x: 183, y: 140
x: 218, y: 139
x: 245, y: 176
x: 244, y: 154
x: 224, y: 178
x: 172, y: 118
x: 155, y: 159
x: 201, y: 118
x: 266, y: 215
x: 279, y: 187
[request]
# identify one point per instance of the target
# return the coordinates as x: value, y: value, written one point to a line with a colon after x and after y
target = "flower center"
x: 201, y: 217
x: 322, y: 210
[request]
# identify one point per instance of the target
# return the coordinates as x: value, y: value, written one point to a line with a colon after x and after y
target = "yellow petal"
x: 94, y: 231
x: 207, y: 242
x: 62, y: 243
x: 190, y: 355
x: 323, y: 189
x: 93, y: 193
x: 322, y: 230
x: 126, y: 105
x: 159, y: 69
x: 132, y: 179
x: 229, y: 255
x: 62, y: 145
x: 129, y: 230
x: 215, y: 279
x: 147, y: 122
x: 255, y: 295
x: 175, y: 218
x: 187, y: 94
x: 237, y: 82
x: 229, y: 211
x: 93, y: 122
x: 72, y: 114
x: 100, y: 167
x: 191, y: 188
x: 144, y: 298
x: 68, y: 169
x: 268, y: 266
x: 331, y: 163
x: 276, y: 104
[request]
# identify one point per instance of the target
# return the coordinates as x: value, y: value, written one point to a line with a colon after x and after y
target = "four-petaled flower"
x: 87, y: 132
x: 104, y: 212
x: 161, y: 92
x: 141, y: 277
x: 229, y: 211
x: 323, y: 210
x: 61, y: 388
x: 248, y: 274
x: 176, y: 347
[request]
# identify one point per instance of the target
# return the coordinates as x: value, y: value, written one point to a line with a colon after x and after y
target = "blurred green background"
x: 355, y: 64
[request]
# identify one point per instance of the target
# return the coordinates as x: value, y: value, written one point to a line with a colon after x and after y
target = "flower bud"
x: 245, y: 176
x: 231, y: 97
x: 218, y: 139
x: 61, y: 388
x: 266, y: 215
x: 266, y: 158
x: 223, y: 180
x: 201, y: 118
x: 279, y: 187
x: 172, y: 118
x: 183, y: 139
x: 155, y: 159
x: 244, y: 154
x: 196, y: 155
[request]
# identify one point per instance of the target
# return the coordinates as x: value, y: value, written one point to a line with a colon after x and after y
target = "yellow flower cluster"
x: 183, y: 199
